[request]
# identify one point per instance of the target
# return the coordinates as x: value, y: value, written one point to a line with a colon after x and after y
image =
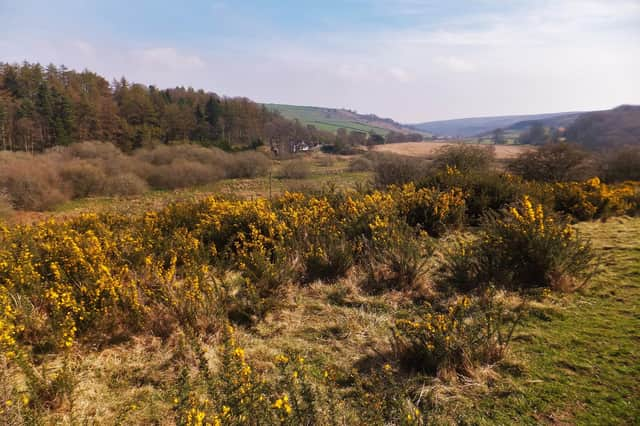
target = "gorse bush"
x: 185, y: 271
x: 483, y: 191
x: 464, y: 157
x: 385, y: 397
x: 95, y: 273
x: 396, y: 258
x: 233, y: 392
x: 432, y: 210
x: 593, y: 199
x: 522, y: 248
x: 458, y: 337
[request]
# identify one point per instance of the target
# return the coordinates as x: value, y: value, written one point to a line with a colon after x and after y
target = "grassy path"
x: 581, y: 360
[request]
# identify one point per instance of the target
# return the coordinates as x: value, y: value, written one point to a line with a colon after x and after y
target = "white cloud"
x: 84, y: 48
x: 400, y: 74
x: 455, y: 64
x: 169, y: 58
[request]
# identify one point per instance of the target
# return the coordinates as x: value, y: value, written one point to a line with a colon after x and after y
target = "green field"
x: 331, y: 120
x: 577, y: 358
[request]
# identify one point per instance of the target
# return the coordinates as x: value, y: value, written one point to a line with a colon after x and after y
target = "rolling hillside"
x: 476, y: 126
x: 607, y: 129
x: 331, y: 119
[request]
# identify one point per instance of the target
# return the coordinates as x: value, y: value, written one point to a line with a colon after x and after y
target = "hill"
x: 607, y: 129
x: 332, y: 119
x: 475, y: 126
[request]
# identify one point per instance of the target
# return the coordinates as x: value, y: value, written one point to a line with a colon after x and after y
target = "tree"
x: 554, y: 162
x: 375, y: 139
x: 535, y: 135
x: 57, y: 106
x: 498, y: 136
x: 357, y: 138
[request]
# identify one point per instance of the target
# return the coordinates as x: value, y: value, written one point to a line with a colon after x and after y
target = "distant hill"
x: 606, y: 129
x: 478, y: 126
x: 331, y: 119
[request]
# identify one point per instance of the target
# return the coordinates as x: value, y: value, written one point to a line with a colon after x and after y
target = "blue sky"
x: 412, y: 60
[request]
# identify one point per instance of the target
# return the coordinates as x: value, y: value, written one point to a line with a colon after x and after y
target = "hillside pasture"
x: 330, y: 120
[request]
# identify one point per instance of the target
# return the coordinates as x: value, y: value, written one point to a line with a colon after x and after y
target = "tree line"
x: 46, y: 106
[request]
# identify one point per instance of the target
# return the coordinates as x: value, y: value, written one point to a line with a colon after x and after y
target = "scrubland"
x: 322, y: 290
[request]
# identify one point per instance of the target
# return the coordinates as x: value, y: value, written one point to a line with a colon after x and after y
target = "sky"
x: 411, y: 60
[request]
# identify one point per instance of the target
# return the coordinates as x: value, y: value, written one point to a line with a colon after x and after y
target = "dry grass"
x: 429, y: 149
x: 6, y: 207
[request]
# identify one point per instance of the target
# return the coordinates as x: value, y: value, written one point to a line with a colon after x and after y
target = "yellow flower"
x: 281, y: 359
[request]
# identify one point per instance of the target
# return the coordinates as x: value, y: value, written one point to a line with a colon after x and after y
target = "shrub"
x: 458, y: 337
x: 90, y: 150
x: 593, y: 199
x: 554, y: 162
x: 126, y: 184
x: 248, y: 164
x: 84, y: 178
x: 236, y: 394
x: 621, y: 164
x: 183, y: 173
x: 167, y: 154
x: 392, y: 169
x: 32, y: 183
x: 483, y: 191
x: 429, y: 209
x: 464, y: 157
x: 522, y: 248
x: 263, y: 274
x: 360, y: 164
x: 396, y: 258
x: 328, y: 259
x: 296, y: 169
x: 383, y: 397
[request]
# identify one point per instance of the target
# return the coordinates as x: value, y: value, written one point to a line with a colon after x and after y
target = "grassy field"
x: 331, y: 120
x: 426, y: 149
x: 578, y: 362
